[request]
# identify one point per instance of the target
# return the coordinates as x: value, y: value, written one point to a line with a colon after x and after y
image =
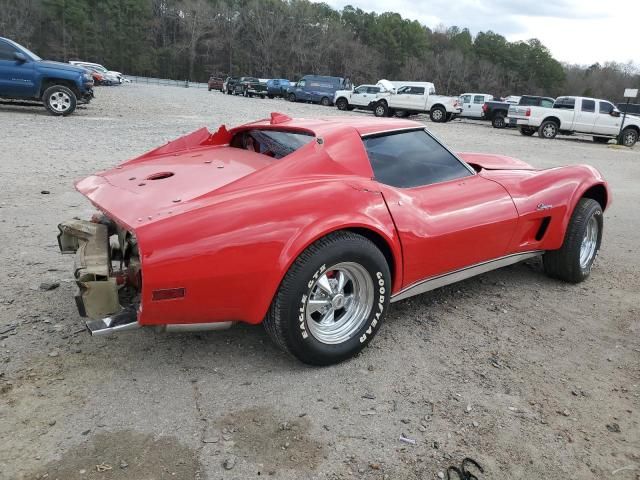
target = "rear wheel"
x: 629, y: 137
x: 499, y: 121
x: 332, y: 301
x: 438, y: 115
x: 573, y: 261
x: 342, y: 103
x: 548, y: 129
x: 381, y: 109
x: 325, y: 102
x: 59, y: 100
x: 526, y: 131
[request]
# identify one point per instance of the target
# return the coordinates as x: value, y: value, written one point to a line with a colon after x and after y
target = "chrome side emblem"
x: 543, y: 206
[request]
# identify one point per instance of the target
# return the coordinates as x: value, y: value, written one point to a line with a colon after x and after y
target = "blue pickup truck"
x: 25, y: 76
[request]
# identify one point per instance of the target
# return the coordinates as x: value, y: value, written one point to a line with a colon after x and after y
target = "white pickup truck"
x: 591, y: 116
x: 410, y: 98
x: 360, y: 97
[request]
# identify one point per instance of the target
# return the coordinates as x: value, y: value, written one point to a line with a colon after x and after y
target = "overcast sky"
x: 576, y: 31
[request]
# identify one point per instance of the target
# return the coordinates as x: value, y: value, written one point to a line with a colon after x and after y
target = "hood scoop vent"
x: 159, y: 176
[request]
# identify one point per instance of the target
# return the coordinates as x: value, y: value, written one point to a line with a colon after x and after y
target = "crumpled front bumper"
x: 97, y: 294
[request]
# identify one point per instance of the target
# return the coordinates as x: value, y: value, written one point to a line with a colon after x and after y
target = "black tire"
x: 209, y: 88
x: 270, y: 96
x: 59, y: 100
x: 629, y: 137
x: 565, y: 263
x: 325, y: 102
x: 499, y: 121
x: 292, y: 97
x: 526, y: 131
x: 438, y: 115
x: 402, y: 114
x: 449, y: 117
x: 342, y: 103
x: 601, y: 139
x: 548, y: 129
x: 287, y: 323
x: 381, y: 109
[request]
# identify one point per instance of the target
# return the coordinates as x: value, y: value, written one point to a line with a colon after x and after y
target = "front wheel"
x: 292, y: 97
x: 59, y: 100
x: 438, y: 114
x: 629, y: 137
x: 573, y: 261
x: 332, y: 301
x: 342, y: 104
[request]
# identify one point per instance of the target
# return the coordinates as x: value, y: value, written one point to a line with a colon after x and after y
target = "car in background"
x: 277, y: 87
x: 25, y: 76
x: 229, y: 85
x: 313, y: 227
x: 401, y: 98
x: 110, y: 77
x: 472, y: 104
x: 590, y: 116
x: 317, y: 89
x: 215, y: 83
x: 360, y: 97
x: 497, y: 111
x: 250, y: 87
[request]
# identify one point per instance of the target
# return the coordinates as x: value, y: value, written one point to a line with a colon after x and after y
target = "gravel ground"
x: 533, y: 378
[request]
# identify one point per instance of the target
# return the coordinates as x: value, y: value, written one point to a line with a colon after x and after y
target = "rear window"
x: 412, y: 159
x: 273, y: 143
x: 568, y: 103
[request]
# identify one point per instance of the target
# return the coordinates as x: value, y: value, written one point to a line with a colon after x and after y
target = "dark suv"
x: 25, y: 76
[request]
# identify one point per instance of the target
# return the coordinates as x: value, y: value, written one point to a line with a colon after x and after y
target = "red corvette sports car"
x: 313, y: 227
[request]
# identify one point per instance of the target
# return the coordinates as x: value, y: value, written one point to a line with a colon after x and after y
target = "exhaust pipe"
x: 122, y: 321
x: 127, y: 320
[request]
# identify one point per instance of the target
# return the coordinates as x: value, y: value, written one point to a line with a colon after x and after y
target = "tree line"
x: 191, y: 39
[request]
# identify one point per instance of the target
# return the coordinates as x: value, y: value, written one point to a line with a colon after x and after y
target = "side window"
x: 417, y: 91
x: 412, y: 159
x: 465, y: 98
x: 403, y: 90
x: 6, y: 51
x: 568, y: 103
x: 588, y: 105
x: 545, y: 102
x: 606, y: 107
x: 478, y: 99
x: 373, y: 90
x: 302, y: 83
x: 360, y: 90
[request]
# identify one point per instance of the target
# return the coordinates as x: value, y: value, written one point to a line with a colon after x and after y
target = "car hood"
x: 168, y: 181
x: 486, y: 161
x: 60, y: 66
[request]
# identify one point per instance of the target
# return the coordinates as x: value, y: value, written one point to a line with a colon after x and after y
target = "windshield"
x: 273, y: 143
x: 29, y: 53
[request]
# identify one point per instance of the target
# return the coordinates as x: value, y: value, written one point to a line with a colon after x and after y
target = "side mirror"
x: 615, y: 113
x: 20, y: 57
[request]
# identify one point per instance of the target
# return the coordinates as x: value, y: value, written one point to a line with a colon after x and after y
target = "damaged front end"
x: 107, y: 272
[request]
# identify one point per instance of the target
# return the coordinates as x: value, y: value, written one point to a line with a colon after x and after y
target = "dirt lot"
x: 533, y: 378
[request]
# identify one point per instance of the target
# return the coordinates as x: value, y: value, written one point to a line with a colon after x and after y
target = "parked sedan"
x: 313, y: 227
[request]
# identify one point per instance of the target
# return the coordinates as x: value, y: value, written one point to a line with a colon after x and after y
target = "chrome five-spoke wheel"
x: 60, y: 102
x: 589, y: 244
x: 339, y: 302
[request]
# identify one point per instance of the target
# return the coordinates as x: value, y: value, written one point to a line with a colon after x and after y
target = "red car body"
x: 221, y: 226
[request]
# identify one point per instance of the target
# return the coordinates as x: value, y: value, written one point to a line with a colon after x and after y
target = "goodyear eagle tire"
x: 332, y: 301
x: 573, y: 261
x: 59, y: 100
